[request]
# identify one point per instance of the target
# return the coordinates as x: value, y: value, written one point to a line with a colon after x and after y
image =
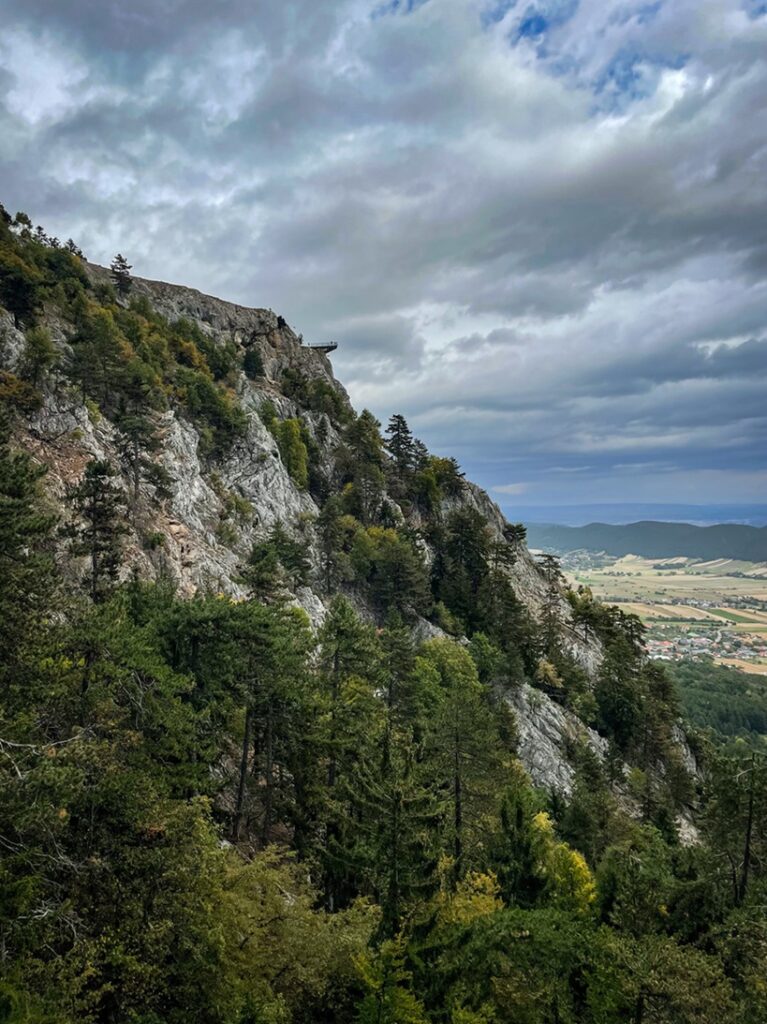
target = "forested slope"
x: 267, y: 677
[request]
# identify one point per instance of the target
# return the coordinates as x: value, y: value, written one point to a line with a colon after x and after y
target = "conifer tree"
x: 400, y: 445
x: 19, y: 288
x: 98, y: 357
x: 26, y: 579
x: 98, y: 503
x: 462, y: 567
x: 120, y: 271
x: 253, y: 364
x: 462, y: 751
x: 551, y: 617
x: 420, y: 455
x: 137, y: 439
x: 331, y: 540
x: 349, y: 668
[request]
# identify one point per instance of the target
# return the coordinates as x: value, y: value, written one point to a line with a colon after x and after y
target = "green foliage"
x: 137, y: 439
x: 20, y: 286
x: 733, y: 704
x: 317, y: 395
x: 276, y: 565
x: 97, y: 505
x: 18, y: 394
x: 120, y: 271
x: 123, y: 356
x: 26, y: 565
x: 293, y: 450
x: 39, y: 354
x: 392, y: 569
x: 216, y: 411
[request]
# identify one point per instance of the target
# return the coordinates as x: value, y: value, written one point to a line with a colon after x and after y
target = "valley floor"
x: 692, y: 609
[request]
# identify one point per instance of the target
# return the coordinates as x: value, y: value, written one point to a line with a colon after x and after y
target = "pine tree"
x: 400, y: 445
x: 551, y: 612
x: 39, y: 354
x: 462, y: 568
x: 137, y: 438
x: 19, y: 288
x: 120, y: 270
x: 26, y: 580
x: 349, y: 670
x: 98, y: 358
x: 331, y: 539
x: 463, y: 752
x: 253, y: 364
x: 98, y: 503
x: 420, y: 455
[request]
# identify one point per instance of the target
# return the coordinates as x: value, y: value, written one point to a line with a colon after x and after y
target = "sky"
x: 538, y: 230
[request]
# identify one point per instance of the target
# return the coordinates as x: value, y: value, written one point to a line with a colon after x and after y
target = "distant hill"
x: 655, y: 540
x: 634, y: 512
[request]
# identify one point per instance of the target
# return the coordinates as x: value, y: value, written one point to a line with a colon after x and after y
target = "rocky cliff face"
x: 193, y: 533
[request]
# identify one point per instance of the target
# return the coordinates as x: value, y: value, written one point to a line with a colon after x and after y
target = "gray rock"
x: 545, y: 731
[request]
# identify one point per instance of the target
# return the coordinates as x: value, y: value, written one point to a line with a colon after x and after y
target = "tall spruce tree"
x: 551, y: 612
x: 26, y: 570
x: 331, y: 539
x: 463, y: 753
x: 137, y: 440
x: 98, y: 503
x: 120, y: 271
x: 400, y: 445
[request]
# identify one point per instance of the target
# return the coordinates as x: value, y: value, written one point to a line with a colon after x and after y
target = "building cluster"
x: 706, y: 641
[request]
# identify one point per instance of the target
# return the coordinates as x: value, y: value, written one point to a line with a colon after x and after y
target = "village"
x: 674, y: 642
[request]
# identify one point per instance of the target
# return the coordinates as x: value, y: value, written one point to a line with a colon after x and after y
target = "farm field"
x: 691, y: 609
x: 642, y: 580
x: 757, y: 668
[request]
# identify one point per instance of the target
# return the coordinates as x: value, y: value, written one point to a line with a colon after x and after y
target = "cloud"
x: 519, y: 488
x: 536, y: 229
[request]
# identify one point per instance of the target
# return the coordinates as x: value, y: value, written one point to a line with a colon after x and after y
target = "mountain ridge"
x: 656, y: 539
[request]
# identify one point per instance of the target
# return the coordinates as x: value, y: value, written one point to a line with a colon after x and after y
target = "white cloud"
x: 519, y: 488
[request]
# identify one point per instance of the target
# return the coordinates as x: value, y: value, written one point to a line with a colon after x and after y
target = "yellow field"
x: 757, y: 668
x: 660, y: 612
x: 636, y: 580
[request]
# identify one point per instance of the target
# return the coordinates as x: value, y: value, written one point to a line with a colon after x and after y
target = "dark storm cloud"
x: 535, y: 229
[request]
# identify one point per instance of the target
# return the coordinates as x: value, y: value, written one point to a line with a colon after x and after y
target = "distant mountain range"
x: 651, y: 539
x: 633, y: 512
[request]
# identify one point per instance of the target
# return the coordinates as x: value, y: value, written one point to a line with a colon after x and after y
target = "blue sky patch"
x: 633, y: 74
x: 532, y: 25
x: 496, y: 12
x: 538, y: 18
x: 755, y: 8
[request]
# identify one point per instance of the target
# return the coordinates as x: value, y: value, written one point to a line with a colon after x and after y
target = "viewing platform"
x: 325, y: 349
